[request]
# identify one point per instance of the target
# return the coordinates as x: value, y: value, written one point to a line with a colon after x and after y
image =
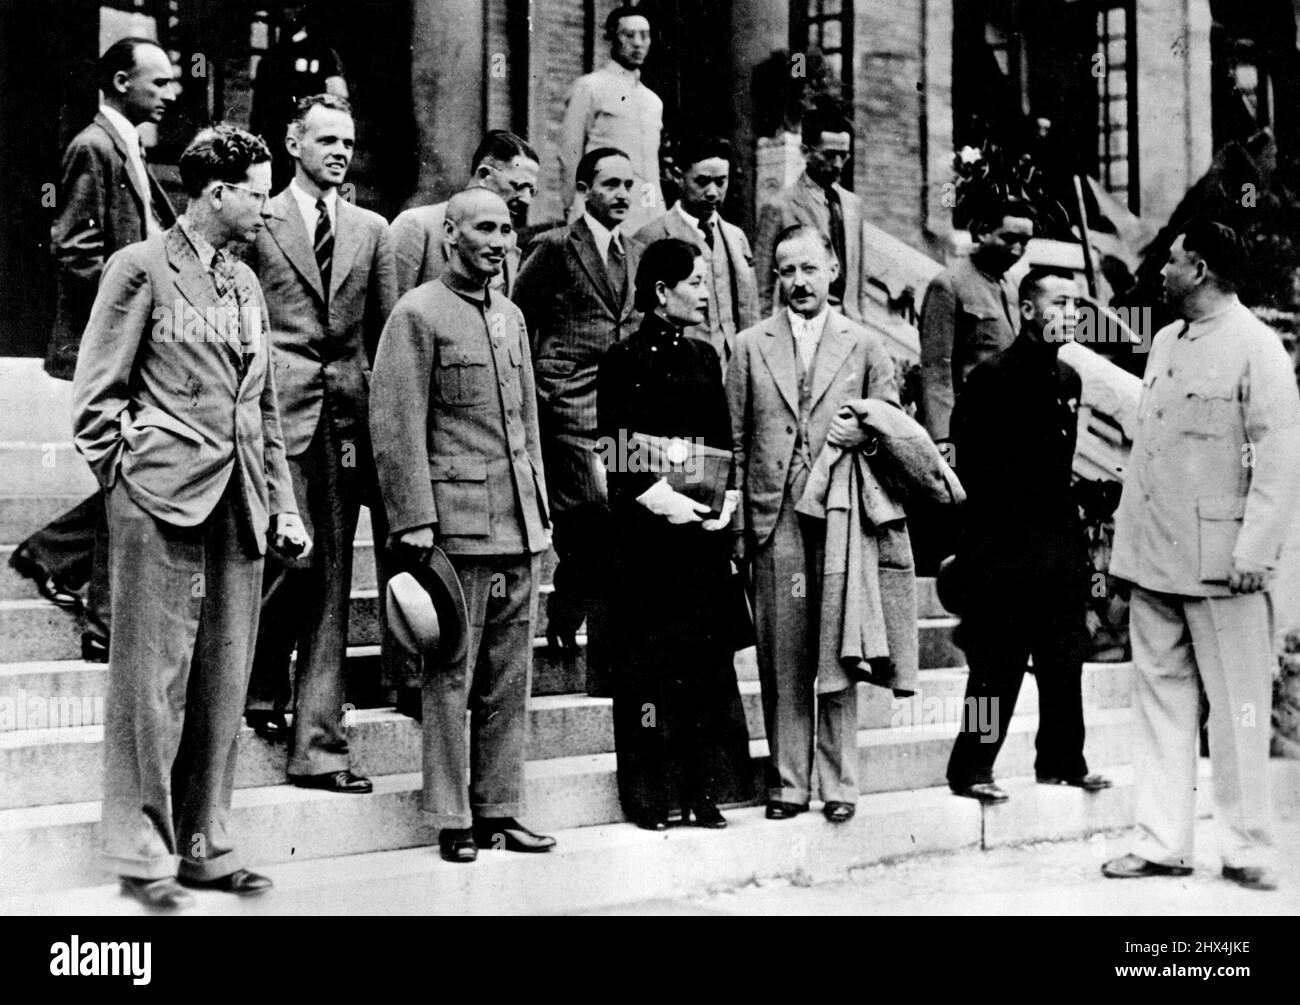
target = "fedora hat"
x: 426, y: 609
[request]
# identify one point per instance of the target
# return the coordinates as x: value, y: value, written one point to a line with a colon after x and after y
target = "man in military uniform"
x: 1023, y: 557
x: 453, y: 417
x: 1211, y: 490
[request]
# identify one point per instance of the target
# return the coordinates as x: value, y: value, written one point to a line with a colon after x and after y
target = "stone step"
x: 46, y: 468
x: 63, y: 764
x: 20, y: 515
x: 50, y: 847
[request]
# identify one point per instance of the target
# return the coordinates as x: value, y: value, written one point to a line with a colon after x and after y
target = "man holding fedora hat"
x: 453, y: 414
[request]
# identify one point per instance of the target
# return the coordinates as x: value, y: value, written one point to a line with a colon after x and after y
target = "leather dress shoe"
x: 777, y: 810
x: 1089, y: 783
x: 510, y: 834
x: 48, y: 585
x: 456, y: 844
x: 334, y: 781
x: 160, y: 894
x: 270, y: 726
x: 94, y: 650
x: 839, y: 812
x: 1252, y: 877
x: 651, y: 823
x: 985, y: 792
x: 241, y: 882
x: 1136, y: 867
x: 706, y: 815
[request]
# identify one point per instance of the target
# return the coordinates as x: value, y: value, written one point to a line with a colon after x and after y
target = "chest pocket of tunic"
x: 464, y: 377
x: 1209, y: 409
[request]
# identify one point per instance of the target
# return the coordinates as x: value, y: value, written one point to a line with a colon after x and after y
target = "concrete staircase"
x: 51, y: 714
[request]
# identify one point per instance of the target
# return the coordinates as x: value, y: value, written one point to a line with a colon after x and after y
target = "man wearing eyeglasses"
x: 327, y: 269
x: 970, y: 312
x: 174, y: 408
x: 505, y: 165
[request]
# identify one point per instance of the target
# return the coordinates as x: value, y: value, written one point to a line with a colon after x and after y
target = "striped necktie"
x: 324, y: 244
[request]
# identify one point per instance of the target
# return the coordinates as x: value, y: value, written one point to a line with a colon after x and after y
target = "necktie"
x: 837, y: 241
x: 617, y: 270
x: 707, y: 227
x: 324, y: 244
x: 223, y: 278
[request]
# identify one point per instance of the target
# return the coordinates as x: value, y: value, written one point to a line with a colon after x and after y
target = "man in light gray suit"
x: 817, y: 199
x: 327, y: 270
x: 705, y: 171
x: 174, y: 408
x: 504, y: 164
x: 789, y: 378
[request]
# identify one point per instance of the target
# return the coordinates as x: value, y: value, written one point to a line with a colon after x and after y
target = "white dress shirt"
x: 604, y: 236
x: 307, y: 206
x: 130, y: 136
x: 807, y: 333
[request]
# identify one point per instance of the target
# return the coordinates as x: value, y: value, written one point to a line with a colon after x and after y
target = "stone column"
x: 447, y: 89
x: 758, y: 27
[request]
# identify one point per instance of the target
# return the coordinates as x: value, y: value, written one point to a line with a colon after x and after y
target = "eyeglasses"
x: 260, y: 196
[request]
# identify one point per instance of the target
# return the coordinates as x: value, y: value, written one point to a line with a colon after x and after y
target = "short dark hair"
x: 989, y: 213
x: 1218, y: 246
x: 698, y: 147
x: 823, y: 120
x: 668, y: 261
x: 119, y: 57
x: 1033, y: 281
x: 304, y: 106
x: 586, y: 172
x: 502, y: 146
x: 617, y: 15
x: 797, y: 231
x: 220, y: 153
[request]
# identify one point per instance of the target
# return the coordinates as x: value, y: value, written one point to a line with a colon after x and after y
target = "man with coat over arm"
x: 454, y: 416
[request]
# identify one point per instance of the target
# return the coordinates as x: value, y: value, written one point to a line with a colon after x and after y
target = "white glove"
x: 663, y: 500
x: 728, y: 508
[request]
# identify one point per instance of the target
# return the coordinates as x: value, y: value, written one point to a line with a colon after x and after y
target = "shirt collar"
x: 467, y: 288
x: 694, y: 221
x: 809, y: 326
x: 619, y: 70
x: 202, y: 247
x: 307, y: 205
x: 1211, y: 321
x: 602, y: 234
x: 124, y: 128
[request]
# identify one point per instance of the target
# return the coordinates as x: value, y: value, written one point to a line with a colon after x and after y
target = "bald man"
x: 453, y: 414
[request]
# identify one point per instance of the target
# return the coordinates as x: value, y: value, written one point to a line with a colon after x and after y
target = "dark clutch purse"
x: 691, y: 468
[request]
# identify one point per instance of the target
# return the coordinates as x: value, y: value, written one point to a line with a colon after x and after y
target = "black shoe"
x: 509, y: 834
x: 562, y: 643
x: 334, y: 781
x: 1252, y: 877
x: 94, y: 650
x: 651, y: 823
x: 985, y: 792
x: 410, y: 703
x: 240, y: 882
x: 777, y: 810
x: 839, y: 812
x: 706, y: 815
x: 1136, y: 867
x: 270, y: 726
x: 48, y: 585
x: 456, y: 844
x: 1089, y: 783
x: 159, y: 894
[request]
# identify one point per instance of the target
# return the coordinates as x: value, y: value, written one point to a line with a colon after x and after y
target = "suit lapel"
x: 584, y: 245
x: 675, y: 226
x: 119, y: 145
x: 777, y: 347
x: 288, y: 229
x: 812, y: 204
x: 836, y: 344
x: 195, y: 285
x: 347, y: 239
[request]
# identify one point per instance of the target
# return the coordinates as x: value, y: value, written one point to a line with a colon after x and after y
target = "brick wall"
x: 557, y: 58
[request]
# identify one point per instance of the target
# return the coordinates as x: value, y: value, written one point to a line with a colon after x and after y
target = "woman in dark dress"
x: 679, y: 727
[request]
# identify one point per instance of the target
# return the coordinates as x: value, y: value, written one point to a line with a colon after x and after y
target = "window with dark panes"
x: 826, y: 25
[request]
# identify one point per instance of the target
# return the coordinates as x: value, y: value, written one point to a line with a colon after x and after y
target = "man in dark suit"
x: 818, y: 200
x: 576, y: 292
x: 107, y: 199
x: 327, y: 270
x: 705, y: 170
x: 1023, y: 558
x: 454, y: 415
x: 174, y: 409
x: 504, y: 164
x: 786, y: 385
